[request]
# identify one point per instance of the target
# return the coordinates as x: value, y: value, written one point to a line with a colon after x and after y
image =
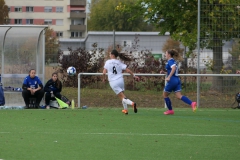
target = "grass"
x: 105, y: 133
x: 147, y: 99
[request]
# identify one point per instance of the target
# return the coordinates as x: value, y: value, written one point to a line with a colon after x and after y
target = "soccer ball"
x: 71, y: 71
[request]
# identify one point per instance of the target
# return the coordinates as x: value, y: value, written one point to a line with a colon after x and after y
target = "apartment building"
x: 66, y: 17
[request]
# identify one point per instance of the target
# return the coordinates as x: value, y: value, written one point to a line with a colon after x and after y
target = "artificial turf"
x: 107, y: 134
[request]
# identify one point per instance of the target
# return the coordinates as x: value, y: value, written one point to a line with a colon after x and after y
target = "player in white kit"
x: 114, y: 68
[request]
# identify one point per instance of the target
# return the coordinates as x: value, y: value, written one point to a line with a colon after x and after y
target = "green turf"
x: 107, y: 134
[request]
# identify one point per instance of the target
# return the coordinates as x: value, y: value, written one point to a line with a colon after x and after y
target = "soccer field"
x: 107, y: 134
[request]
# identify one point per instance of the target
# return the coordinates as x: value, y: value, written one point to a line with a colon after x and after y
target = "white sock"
x: 127, y: 101
x: 124, y: 105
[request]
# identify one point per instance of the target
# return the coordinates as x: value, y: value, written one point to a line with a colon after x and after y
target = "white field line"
x: 149, y: 134
x: 133, y: 134
x: 206, y: 110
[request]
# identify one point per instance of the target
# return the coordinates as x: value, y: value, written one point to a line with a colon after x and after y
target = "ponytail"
x: 122, y: 56
x: 175, y: 55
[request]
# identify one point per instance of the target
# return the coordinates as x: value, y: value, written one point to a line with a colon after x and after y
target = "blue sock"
x: 168, y: 103
x: 186, y: 100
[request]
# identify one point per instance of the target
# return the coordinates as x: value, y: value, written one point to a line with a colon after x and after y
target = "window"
x: 18, y: 21
x: 76, y: 34
x: 18, y: 9
x: 77, y: 11
x: 59, y: 22
x: 29, y: 21
x: 59, y: 34
x: 59, y: 9
x: 77, y: 21
x: 47, y: 9
x: 48, y: 21
x: 29, y: 9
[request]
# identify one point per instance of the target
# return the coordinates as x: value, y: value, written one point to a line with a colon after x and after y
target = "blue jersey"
x: 170, y: 63
x: 52, y: 86
x: 174, y: 84
x: 32, y: 82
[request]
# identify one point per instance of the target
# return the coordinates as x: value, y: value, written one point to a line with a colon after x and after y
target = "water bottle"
x: 84, y: 107
x: 21, y: 107
x: 7, y: 107
x: 73, y: 104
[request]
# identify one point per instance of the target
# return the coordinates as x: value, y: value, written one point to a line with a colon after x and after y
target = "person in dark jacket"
x: 32, y: 88
x: 53, y: 89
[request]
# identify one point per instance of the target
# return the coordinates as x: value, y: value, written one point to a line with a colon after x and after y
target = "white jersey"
x: 114, y: 69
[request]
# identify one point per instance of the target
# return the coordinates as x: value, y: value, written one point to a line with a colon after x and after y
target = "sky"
x: 88, y: 2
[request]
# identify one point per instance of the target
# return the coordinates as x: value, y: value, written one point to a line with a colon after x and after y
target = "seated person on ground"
x: 52, y: 88
x: 32, y: 88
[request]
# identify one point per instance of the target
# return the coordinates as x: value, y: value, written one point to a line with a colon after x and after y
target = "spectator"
x: 32, y: 88
x: 238, y: 72
x: 52, y: 88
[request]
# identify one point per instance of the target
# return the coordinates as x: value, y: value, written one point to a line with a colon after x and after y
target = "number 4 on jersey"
x: 114, y: 70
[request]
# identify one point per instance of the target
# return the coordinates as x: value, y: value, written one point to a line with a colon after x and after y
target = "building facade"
x: 66, y: 17
x: 140, y: 41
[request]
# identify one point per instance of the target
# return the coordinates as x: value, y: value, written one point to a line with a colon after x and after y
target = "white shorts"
x: 117, y: 85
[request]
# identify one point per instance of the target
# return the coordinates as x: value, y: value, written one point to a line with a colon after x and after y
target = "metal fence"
x: 208, y: 97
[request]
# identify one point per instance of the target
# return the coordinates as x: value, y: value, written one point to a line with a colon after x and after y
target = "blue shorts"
x: 173, y: 85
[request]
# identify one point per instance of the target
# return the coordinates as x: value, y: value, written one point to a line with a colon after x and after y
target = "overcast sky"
x: 88, y: 1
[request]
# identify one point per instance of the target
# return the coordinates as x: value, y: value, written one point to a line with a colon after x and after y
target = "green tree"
x: 104, y: 16
x: 3, y: 12
x: 235, y: 52
x: 220, y: 21
x: 51, y: 46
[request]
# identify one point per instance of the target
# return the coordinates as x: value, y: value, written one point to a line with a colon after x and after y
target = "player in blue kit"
x: 32, y: 88
x: 174, y: 82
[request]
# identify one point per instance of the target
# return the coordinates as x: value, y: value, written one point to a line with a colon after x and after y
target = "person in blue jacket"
x: 53, y: 88
x: 32, y: 88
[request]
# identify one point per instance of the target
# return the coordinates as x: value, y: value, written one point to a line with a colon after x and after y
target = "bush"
x: 83, y: 61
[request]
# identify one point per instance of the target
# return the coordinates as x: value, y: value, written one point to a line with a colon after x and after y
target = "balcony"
x: 81, y: 37
x: 77, y: 15
x: 77, y: 27
x: 78, y: 2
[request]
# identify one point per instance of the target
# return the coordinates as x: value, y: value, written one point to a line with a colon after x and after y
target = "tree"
x: 104, y: 16
x: 3, y: 12
x: 172, y: 44
x: 51, y: 45
x: 220, y: 21
x: 235, y: 55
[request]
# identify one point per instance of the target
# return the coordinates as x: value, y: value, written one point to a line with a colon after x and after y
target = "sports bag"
x: 2, y: 98
x: 66, y: 100
x: 237, y: 99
